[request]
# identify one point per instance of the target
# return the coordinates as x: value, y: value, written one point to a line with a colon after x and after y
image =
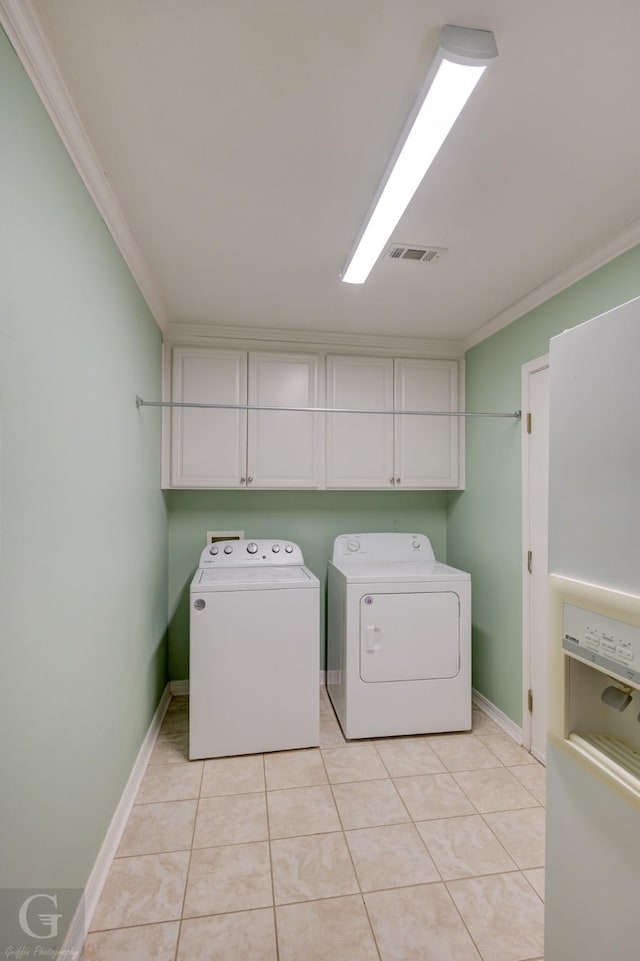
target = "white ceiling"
x: 244, y: 139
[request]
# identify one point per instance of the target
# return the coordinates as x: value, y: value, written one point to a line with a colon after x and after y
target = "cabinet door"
x: 360, y: 446
x: 283, y: 447
x: 208, y: 447
x: 426, y: 448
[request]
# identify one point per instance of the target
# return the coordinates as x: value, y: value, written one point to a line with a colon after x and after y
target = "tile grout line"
x: 273, y: 883
x: 402, y: 801
x: 466, y: 926
x: 411, y: 819
x: 150, y: 924
x: 186, y: 880
x: 530, y: 883
x: 501, y: 843
x: 477, y: 809
x: 353, y: 866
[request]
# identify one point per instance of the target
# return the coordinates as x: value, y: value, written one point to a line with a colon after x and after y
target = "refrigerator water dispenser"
x: 602, y: 706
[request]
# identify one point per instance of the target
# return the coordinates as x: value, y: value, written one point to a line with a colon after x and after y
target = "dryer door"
x: 409, y: 637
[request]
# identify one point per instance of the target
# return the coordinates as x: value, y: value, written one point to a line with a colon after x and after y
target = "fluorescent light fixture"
x: 460, y: 61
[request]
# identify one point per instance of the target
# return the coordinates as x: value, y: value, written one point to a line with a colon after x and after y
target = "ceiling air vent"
x: 421, y: 255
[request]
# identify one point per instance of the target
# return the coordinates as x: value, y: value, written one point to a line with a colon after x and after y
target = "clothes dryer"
x: 398, y: 637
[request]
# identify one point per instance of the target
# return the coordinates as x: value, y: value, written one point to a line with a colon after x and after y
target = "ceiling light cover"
x: 460, y: 61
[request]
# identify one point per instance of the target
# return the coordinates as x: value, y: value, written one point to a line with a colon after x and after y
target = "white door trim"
x: 527, y: 369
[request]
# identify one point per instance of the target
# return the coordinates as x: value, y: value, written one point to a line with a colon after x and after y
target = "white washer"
x: 254, y: 650
x: 398, y: 637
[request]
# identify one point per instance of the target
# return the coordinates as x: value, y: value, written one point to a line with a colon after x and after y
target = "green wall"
x: 309, y: 518
x: 484, y: 522
x: 83, y: 526
x: 478, y: 529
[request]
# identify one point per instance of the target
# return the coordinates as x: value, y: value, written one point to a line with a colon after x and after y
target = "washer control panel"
x: 245, y: 552
x: 613, y: 645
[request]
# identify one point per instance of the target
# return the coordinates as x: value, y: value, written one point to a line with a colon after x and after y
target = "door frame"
x: 539, y: 363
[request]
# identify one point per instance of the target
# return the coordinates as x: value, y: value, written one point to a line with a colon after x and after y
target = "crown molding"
x: 22, y: 27
x: 186, y: 335
x: 618, y: 244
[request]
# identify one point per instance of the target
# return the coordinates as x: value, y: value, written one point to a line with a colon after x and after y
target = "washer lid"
x: 253, y: 578
x: 400, y: 573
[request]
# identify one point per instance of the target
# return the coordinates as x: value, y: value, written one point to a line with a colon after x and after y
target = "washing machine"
x: 254, y: 650
x: 398, y: 637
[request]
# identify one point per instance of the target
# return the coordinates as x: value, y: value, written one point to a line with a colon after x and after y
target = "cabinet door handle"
x: 398, y: 479
x: 243, y: 480
x: 392, y: 480
x: 249, y: 480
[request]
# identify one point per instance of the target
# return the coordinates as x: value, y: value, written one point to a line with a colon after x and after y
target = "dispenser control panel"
x: 613, y: 645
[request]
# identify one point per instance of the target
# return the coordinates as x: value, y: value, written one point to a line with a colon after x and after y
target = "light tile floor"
x: 401, y: 849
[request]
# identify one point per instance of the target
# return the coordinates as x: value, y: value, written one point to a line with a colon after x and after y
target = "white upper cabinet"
x: 426, y: 448
x: 236, y: 448
x: 284, y: 448
x: 208, y: 447
x: 382, y: 450
x: 360, y: 446
x: 227, y: 448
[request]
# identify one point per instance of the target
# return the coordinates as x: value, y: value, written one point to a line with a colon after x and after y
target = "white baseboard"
x: 539, y: 756
x: 74, y: 941
x: 508, y: 726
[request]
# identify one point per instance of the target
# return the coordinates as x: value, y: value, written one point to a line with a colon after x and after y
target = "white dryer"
x: 398, y: 637
x: 254, y: 650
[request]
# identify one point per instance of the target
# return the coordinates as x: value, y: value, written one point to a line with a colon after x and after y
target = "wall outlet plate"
x: 213, y: 536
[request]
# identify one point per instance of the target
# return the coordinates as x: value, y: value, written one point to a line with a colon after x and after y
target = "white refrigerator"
x: 593, y: 758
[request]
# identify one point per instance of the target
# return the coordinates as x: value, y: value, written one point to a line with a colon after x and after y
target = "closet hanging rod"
x: 327, y: 410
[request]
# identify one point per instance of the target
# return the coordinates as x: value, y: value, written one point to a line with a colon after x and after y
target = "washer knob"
x: 289, y: 549
x: 213, y: 550
x: 276, y: 548
x: 228, y: 549
x: 252, y: 548
x: 353, y: 545
x: 416, y: 545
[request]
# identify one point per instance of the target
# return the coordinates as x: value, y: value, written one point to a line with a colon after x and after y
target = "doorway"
x: 535, y: 520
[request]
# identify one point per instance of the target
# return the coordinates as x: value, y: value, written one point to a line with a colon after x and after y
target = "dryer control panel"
x: 249, y: 553
x: 382, y: 548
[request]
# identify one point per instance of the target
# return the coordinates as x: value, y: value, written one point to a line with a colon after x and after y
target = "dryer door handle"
x: 370, y: 632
